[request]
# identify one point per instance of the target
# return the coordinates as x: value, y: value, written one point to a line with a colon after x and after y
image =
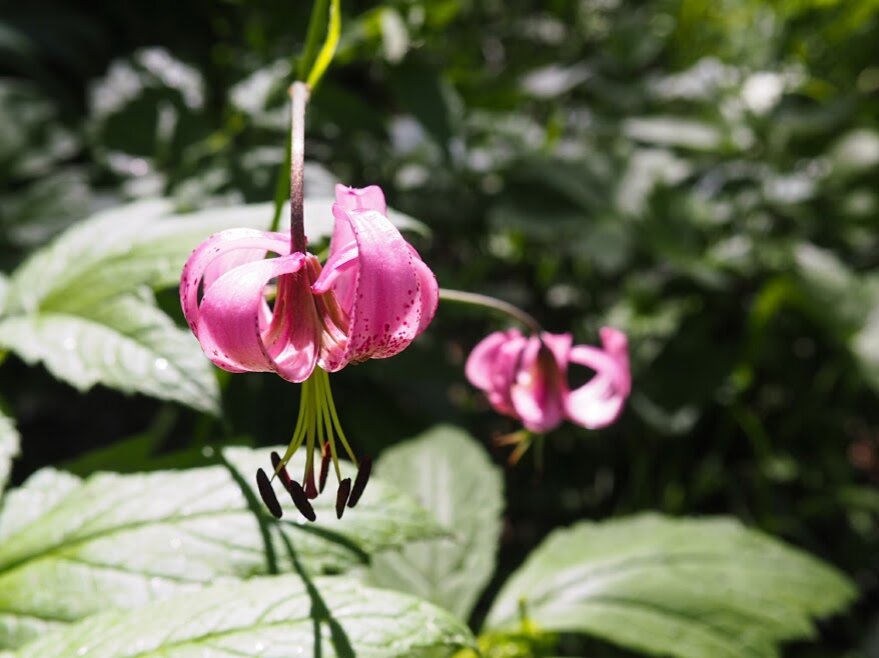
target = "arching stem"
x: 475, y: 299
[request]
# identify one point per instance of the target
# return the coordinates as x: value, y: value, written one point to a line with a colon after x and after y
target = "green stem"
x: 475, y: 299
x: 319, y: 12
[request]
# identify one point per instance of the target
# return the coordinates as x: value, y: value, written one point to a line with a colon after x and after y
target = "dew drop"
x: 70, y: 344
x: 161, y: 364
x: 82, y: 651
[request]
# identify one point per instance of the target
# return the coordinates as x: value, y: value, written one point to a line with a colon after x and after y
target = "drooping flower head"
x: 526, y: 377
x: 370, y: 300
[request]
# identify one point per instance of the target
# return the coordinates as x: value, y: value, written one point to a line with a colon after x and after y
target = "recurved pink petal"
x: 386, y: 302
x: 428, y: 288
x: 540, y: 388
x: 600, y: 401
x: 229, y: 327
x: 363, y: 198
x: 218, y: 253
x: 339, y: 274
x: 483, y: 360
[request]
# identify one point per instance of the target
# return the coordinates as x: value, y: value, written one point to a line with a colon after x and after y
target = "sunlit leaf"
x: 685, y: 588
x: 268, y: 617
x: 71, y: 547
x: 450, y: 474
x: 125, y: 343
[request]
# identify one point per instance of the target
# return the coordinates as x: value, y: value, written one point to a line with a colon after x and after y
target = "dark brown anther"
x: 360, y: 481
x: 282, y: 472
x: 342, y: 496
x: 324, y: 466
x: 268, y: 494
x: 297, y: 493
x: 310, y: 486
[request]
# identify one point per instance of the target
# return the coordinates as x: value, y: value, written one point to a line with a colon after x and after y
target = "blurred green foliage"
x: 702, y: 175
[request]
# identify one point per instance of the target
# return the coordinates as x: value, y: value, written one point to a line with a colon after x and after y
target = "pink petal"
x: 599, y: 402
x: 339, y: 274
x: 365, y: 198
x: 428, y: 288
x: 229, y: 326
x: 386, y: 302
x: 225, y: 249
x: 540, y: 389
x: 483, y: 360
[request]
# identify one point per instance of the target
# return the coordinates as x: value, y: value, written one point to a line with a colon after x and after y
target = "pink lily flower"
x: 527, y: 378
x: 370, y: 300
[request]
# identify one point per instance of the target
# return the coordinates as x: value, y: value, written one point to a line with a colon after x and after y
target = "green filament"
x: 316, y: 425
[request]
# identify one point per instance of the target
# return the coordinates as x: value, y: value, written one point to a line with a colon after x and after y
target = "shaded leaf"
x: 269, y: 617
x: 451, y: 475
x: 687, y: 588
x: 70, y: 548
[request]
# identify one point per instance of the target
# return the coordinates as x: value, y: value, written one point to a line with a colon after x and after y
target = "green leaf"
x: 126, y: 343
x: 10, y: 444
x: 70, y: 548
x: 270, y: 617
x: 451, y: 475
x: 687, y: 588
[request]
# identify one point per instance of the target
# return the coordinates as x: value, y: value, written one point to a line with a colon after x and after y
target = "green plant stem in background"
x: 299, y: 98
x: 312, y: 65
x: 475, y: 299
x: 312, y: 38
x: 325, y: 56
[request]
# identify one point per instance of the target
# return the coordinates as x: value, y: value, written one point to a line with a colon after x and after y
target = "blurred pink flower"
x: 370, y: 300
x: 527, y: 378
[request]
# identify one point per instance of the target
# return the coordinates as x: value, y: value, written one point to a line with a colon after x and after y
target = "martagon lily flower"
x: 370, y: 300
x: 526, y: 377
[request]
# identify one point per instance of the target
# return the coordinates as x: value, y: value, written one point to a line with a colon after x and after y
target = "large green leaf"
x: 687, y: 588
x: 125, y: 342
x: 450, y: 474
x: 10, y: 444
x: 71, y: 547
x: 268, y: 617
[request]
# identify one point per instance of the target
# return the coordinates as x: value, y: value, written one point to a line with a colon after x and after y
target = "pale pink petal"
x: 387, y: 302
x: 364, y: 198
x: 540, y: 389
x: 223, y: 248
x: 341, y: 261
x: 293, y: 338
x: 503, y: 374
x: 342, y: 242
x: 228, y: 322
x: 483, y: 360
x: 428, y: 289
x: 599, y: 402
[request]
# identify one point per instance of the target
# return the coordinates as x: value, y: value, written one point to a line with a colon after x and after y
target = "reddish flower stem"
x: 475, y: 299
x: 299, y: 97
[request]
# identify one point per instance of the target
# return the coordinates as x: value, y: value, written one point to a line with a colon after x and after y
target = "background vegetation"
x: 702, y: 175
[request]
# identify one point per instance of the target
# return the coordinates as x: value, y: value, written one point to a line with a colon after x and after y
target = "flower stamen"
x: 317, y: 428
